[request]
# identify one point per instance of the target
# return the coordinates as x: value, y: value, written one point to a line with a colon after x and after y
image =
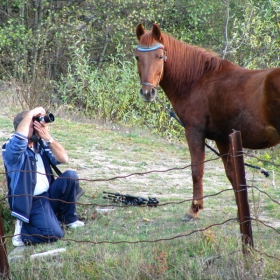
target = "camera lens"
x: 49, y: 118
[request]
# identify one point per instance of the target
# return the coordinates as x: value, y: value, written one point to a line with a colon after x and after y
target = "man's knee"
x: 33, y: 235
x: 71, y: 174
x: 59, y: 233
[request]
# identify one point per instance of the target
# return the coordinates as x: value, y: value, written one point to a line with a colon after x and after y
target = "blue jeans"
x: 46, y: 215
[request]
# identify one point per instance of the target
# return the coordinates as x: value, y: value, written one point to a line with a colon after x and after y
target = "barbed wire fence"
x: 240, y: 190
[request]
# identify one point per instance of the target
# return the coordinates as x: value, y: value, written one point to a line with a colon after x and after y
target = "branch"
x: 107, y: 40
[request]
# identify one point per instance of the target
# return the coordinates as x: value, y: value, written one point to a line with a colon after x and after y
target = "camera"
x: 47, y: 118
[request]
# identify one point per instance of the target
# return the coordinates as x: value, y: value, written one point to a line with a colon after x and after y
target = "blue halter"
x: 149, y: 49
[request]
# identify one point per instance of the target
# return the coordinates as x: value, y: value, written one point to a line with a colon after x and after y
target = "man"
x: 28, y: 155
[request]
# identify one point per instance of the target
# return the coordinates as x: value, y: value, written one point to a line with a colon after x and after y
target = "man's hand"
x: 57, y: 149
x: 38, y: 111
x: 42, y: 130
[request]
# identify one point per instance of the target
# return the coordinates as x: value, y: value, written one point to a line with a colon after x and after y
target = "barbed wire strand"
x: 116, y: 177
x: 125, y: 241
x: 108, y: 205
x: 163, y: 204
x: 154, y: 240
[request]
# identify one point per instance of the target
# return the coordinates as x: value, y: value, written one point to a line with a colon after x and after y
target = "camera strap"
x: 57, y: 171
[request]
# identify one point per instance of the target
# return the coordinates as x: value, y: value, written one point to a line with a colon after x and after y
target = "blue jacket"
x: 20, y: 166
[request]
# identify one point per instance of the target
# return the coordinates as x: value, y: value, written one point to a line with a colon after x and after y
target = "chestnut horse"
x: 211, y: 96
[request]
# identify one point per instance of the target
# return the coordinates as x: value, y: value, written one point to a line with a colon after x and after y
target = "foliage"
x: 8, y: 221
x: 80, y: 53
x: 254, y: 36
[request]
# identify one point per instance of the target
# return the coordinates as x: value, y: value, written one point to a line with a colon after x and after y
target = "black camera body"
x: 47, y: 118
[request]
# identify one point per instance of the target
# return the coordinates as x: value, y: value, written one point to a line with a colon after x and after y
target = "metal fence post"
x: 4, y: 265
x: 241, y: 193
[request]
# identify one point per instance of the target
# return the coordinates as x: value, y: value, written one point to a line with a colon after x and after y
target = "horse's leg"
x: 196, y: 145
x: 224, y: 149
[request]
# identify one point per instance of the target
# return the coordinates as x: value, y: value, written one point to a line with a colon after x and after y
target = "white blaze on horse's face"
x: 150, y: 63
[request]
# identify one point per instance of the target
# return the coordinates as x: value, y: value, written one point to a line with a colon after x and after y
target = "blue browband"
x: 149, y: 49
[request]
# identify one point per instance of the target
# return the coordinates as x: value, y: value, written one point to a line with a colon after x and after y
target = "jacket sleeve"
x: 14, y: 150
x: 20, y: 167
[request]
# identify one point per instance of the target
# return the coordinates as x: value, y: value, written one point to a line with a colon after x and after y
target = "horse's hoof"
x: 188, y: 218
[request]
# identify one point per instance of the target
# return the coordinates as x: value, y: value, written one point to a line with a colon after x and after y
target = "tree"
x: 45, y: 42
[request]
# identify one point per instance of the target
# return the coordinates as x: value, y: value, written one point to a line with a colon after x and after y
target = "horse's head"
x: 150, y: 56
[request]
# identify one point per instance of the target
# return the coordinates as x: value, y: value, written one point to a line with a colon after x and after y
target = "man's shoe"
x: 76, y: 224
x: 16, y: 240
x: 80, y: 193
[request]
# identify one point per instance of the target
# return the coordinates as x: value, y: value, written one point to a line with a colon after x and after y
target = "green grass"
x: 122, y: 244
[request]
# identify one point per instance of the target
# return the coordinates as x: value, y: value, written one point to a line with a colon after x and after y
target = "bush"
x: 8, y: 221
x: 112, y: 94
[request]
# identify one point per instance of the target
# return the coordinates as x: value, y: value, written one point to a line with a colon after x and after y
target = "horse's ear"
x: 156, y: 32
x: 139, y: 31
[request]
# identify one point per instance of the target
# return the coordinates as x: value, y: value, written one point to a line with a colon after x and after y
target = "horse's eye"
x: 137, y: 58
x: 160, y: 57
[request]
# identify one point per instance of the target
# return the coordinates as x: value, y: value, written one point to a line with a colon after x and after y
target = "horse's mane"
x: 185, y: 63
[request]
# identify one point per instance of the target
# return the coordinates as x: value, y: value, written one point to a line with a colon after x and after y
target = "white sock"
x: 18, y: 227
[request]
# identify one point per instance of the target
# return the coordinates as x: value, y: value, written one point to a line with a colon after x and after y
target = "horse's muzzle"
x: 148, y: 95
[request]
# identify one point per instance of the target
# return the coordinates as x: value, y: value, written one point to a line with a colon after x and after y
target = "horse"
x: 211, y: 97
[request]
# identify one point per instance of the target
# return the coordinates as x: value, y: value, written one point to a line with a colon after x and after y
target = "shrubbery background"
x: 79, y: 53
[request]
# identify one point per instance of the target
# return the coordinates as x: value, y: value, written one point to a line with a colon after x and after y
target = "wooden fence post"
x: 4, y: 265
x: 241, y: 193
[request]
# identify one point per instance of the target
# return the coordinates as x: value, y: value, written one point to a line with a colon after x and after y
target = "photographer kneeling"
x: 28, y: 155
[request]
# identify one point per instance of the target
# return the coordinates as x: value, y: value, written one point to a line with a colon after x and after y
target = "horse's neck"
x: 174, y: 84
x: 184, y: 68
x: 170, y: 91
